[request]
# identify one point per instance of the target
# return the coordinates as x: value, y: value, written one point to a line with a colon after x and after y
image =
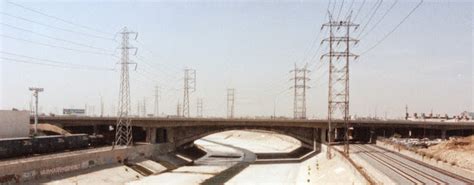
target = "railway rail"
x: 405, y: 170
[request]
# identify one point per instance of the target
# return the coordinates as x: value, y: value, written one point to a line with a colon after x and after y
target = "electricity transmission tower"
x: 123, y: 132
x: 157, y: 97
x: 230, y: 102
x: 138, y: 108
x: 178, y: 109
x: 339, y: 57
x: 144, y: 107
x: 199, y: 108
x: 189, y: 86
x: 101, y: 106
x: 300, y: 85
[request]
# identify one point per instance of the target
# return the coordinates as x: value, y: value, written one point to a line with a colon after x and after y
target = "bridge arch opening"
x: 254, y: 140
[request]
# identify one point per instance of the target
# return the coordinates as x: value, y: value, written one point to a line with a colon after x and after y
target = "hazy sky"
x: 247, y: 45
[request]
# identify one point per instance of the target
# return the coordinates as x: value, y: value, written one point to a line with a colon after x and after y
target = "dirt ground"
x: 458, y: 151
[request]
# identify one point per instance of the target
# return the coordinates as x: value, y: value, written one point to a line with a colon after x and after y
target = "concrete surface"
x: 243, y: 144
x: 14, y: 123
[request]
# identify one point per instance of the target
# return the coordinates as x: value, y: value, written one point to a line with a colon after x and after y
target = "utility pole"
x: 157, y: 97
x: 199, y: 108
x: 230, y: 102
x: 123, y: 129
x: 189, y: 86
x: 299, y: 102
x: 36, y: 91
x: 339, y: 57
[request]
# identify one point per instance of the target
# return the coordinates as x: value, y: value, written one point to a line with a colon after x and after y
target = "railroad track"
x: 405, y: 170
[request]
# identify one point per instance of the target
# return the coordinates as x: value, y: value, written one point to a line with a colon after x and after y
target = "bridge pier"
x: 151, y: 135
x: 324, y: 133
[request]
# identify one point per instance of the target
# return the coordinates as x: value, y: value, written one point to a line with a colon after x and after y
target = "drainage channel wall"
x: 22, y: 170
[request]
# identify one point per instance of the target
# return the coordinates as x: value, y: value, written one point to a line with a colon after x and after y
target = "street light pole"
x: 35, y: 94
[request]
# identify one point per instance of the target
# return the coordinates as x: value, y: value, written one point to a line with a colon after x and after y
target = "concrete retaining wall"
x: 21, y: 170
x: 440, y: 164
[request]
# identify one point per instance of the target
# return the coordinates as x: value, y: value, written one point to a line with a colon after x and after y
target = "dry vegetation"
x: 458, y: 151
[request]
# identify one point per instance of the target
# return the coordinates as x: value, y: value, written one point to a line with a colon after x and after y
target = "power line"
x: 340, y: 10
x: 371, y: 17
x: 380, y: 20
x: 350, y: 8
x: 58, y: 28
x: 55, y: 46
x: 395, y: 28
x: 46, y: 60
x: 315, y: 40
x: 358, y: 11
x: 57, y: 18
x: 6, y: 59
x: 54, y: 38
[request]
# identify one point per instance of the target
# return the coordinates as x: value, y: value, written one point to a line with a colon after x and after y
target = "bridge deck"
x: 185, y: 122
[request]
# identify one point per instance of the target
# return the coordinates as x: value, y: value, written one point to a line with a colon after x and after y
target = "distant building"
x: 464, y: 116
x: 14, y: 123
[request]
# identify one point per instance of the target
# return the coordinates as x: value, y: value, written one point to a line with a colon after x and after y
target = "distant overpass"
x: 70, y: 121
x: 182, y: 132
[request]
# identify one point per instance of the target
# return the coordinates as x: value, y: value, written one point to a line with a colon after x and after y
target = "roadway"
x: 401, y: 169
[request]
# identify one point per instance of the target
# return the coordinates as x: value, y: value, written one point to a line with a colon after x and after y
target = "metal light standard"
x: 36, y: 90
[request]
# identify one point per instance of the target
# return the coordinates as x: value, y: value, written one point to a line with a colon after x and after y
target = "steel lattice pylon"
x: 123, y: 132
x: 338, y: 92
x: 199, y: 107
x: 189, y: 86
x: 300, y: 86
x: 230, y: 102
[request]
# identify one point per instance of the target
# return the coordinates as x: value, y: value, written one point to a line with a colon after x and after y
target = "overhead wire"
x: 57, y: 18
x: 377, y: 6
x: 393, y: 30
x: 55, y: 46
x: 58, y: 28
x: 380, y: 20
x: 54, y: 38
x: 65, y: 65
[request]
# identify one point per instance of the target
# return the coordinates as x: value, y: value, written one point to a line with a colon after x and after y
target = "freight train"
x: 26, y: 146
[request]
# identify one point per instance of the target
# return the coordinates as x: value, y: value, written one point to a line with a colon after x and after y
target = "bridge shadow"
x: 248, y: 158
x: 296, y: 156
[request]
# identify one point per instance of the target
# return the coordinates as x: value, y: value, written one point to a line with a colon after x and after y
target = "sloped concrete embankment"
x: 137, y: 158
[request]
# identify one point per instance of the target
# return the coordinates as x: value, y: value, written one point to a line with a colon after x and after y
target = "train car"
x: 48, y: 144
x: 25, y: 146
x: 15, y: 147
x: 77, y: 141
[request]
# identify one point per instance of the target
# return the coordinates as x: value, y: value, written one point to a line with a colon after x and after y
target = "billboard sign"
x: 74, y: 111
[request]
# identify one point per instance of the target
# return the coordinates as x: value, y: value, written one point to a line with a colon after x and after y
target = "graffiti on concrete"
x: 61, y: 169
